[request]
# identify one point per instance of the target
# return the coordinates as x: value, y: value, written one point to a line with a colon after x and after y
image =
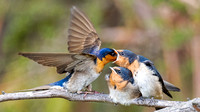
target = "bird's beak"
x: 112, y: 69
x: 117, y: 55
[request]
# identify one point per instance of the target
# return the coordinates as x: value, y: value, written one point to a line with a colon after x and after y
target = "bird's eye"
x: 115, y: 87
x: 118, y: 71
x: 113, y: 54
x: 121, y: 53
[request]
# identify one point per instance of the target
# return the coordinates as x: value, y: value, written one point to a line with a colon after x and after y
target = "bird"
x: 122, y: 86
x: 85, y: 60
x: 145, y: 74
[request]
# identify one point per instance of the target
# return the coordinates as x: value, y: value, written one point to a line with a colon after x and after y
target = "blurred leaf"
x: 178, y: 6
x: 29, y: 21
x: 177, y: 37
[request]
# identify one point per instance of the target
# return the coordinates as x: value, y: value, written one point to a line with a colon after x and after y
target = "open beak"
x: 117, y: 55
x: 112, y: 69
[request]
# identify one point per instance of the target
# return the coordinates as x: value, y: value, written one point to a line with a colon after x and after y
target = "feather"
x: 171, y: 87
x: 62, y: 61
x: 82, y: 36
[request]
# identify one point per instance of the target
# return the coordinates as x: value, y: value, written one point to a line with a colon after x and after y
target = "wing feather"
x: 64, y: 62
x: 83, y: 33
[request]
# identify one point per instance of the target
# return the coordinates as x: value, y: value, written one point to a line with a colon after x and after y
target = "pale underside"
x: 149, y: 84
x: 124, y: 96
x: 82, y: 78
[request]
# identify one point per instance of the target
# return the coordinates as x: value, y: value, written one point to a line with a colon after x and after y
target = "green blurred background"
x: 165, y: 31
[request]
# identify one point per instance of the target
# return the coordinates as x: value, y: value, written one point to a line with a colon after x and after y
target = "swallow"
x: 85, y: 61
x: 145, y: 74
x: 122, y: 86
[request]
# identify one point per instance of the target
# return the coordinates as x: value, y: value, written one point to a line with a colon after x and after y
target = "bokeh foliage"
x: 161, y: 30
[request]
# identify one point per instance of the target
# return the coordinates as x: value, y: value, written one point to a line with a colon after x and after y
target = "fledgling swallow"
x: 122, y: 86
x: 85, y: 61
x: 145, y: 74
x: 124, y: 59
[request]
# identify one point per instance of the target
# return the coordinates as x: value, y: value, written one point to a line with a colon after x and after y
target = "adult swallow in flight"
x: 122, y: 86
x: 145, y: 74
x: 85, y: 61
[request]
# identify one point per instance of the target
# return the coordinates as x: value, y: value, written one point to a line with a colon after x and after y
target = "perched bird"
x: 145, y: 74
x: 122, y: 86
x: 85, y: 61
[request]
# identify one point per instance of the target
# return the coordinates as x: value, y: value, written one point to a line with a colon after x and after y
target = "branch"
x: 189, y: 106
x: 97, y: 97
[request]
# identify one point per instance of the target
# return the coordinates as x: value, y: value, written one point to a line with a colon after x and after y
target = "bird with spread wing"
x: 85, y: 61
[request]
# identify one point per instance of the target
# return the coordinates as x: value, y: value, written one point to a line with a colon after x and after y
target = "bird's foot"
x: 89, y: 87
x: 141, y: 98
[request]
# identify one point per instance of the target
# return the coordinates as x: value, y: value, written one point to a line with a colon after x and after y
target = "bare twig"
x: 189, y: 106
x: 97, y: 97
x: 61, y: 93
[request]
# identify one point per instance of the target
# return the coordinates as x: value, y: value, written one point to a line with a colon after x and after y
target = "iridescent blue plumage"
x: 128, y: 54
x: 102, y: 53
x: 125, y: 73
x: 60, y: 82
x: 142, y: 58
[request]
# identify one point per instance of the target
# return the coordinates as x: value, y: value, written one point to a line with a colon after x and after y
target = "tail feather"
x: 48, y: 86
x: 171, y: 87
x: 167, y: 92
x: 40, y: 88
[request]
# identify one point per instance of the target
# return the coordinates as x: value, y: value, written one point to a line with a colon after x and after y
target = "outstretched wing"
x: 62, y: 61
x: 82, y: 36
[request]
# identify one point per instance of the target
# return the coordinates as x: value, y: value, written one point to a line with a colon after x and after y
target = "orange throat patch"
x: 116, y: 80
x: 122, y: 61
x: 134, y: 66
x: 101, y: 63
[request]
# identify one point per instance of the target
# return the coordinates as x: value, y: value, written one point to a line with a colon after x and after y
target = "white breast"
x: 125, y: 95
x: 149, y: 84
x: 81, y: 79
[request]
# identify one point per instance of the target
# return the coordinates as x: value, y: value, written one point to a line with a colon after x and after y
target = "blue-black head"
x: 107, y: 53
x: 125, y: 58
x: 124, y: 73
